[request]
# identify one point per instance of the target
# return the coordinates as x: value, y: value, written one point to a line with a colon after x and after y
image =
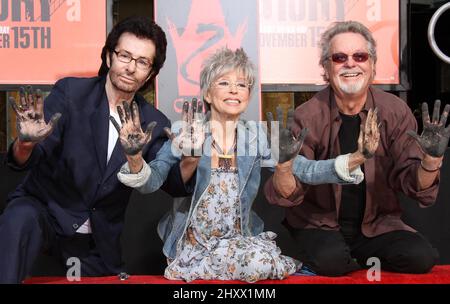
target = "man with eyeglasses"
x: 338, y: 228
x: 71, y: 202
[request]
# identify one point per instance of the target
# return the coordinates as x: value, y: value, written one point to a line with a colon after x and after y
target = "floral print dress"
x: 213, y: 247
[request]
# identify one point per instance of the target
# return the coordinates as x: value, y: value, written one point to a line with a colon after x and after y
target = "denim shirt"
x: 252, y: 154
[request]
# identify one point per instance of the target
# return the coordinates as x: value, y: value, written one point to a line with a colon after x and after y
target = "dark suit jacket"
x: 68, y: 170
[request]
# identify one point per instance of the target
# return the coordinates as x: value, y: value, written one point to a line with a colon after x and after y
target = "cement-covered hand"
x: 435, y: 136
x: 369, y: 135
x: 30, y: 123
x: 289, y: 145
x: 189, y: 140
x: 132, y: 138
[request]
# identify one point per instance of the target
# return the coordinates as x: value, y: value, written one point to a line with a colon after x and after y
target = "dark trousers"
x: 26, y: 230
x: 327, y: 253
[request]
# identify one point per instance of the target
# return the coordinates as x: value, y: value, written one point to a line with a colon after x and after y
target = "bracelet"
x: 430, y: 170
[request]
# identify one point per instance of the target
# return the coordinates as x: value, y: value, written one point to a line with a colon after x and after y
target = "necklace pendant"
x: 225, y: 161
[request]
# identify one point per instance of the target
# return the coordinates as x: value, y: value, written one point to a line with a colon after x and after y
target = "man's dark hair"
x: 141, y: 27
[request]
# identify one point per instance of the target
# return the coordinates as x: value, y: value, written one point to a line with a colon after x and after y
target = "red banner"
x: 44, y: 40
x: 290, y: 31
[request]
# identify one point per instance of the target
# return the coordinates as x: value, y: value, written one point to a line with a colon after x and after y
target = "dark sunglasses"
x: 358, y: 57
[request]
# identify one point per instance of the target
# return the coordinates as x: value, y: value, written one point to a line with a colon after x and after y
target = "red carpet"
x: 439, y: 275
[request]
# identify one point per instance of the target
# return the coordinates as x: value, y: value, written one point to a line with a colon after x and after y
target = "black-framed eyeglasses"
x: 141, y: 62
x: 357, y: 57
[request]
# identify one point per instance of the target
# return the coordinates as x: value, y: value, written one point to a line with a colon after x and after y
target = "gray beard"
x: 351, y: 88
